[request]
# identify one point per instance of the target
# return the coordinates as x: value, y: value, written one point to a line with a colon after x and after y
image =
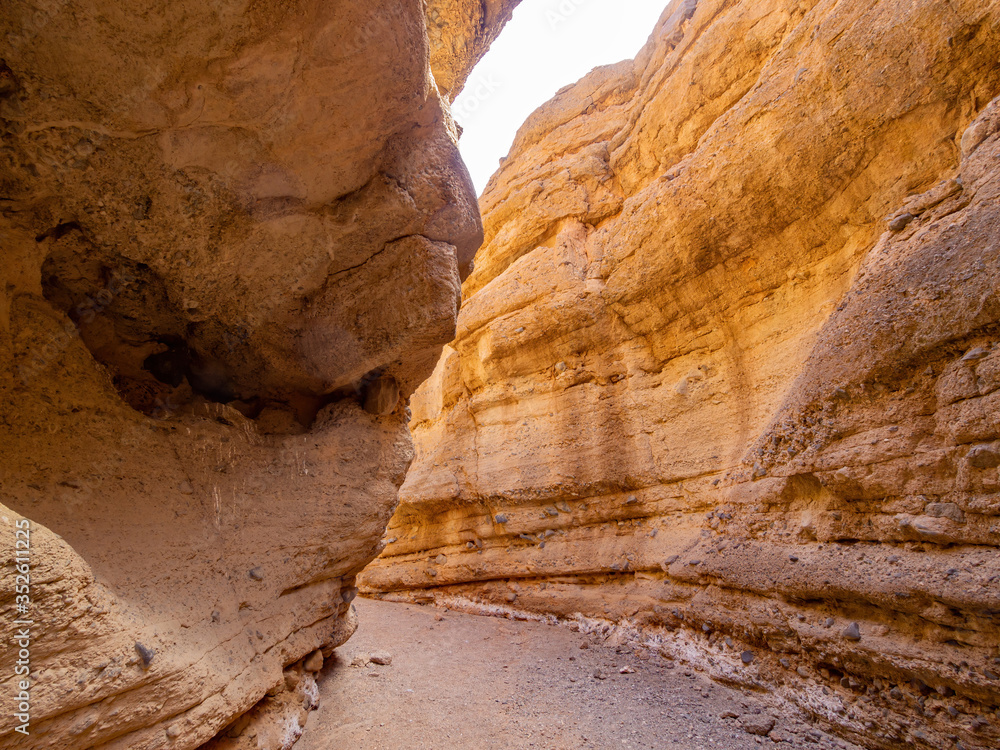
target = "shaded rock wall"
x: 461, y: 32
x: 727, y: 364
x: 232, y: 238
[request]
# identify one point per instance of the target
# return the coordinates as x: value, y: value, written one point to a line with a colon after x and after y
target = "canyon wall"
x: 233, y: 236
x: 461, y: 32
x: 728, y: 367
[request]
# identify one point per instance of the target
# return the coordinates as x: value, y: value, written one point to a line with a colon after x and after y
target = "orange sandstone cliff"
x: 232, y: 235
x: 728, y: 366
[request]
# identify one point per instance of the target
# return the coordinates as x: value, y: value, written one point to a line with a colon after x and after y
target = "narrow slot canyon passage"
x: 445, y: 374
x: 459, y: 680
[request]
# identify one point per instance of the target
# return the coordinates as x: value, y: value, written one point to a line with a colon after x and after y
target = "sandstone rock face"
x: 728, y: 364
x: 461, y: 32
x: 224, y: 226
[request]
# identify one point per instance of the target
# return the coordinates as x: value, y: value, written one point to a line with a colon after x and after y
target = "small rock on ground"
x: 759, y: 725
x: 383, y: 658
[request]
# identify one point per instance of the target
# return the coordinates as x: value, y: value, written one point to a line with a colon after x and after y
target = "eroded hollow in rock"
x: 161, y: 357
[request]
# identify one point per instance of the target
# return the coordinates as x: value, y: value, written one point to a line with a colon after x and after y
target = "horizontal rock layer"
x: 728, y: 363
x: 233, y: 235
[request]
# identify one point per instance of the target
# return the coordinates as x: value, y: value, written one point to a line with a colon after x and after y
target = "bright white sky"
x: 546, y: 45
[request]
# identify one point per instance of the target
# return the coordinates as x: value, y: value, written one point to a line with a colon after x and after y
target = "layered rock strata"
x: 232, y: 238
x: 728, y: 364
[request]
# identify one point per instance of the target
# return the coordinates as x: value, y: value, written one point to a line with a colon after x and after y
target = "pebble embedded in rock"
x: 146, y: 655
x: 983, y: 457
x: 852, y: 632
x: 901, y: 222
x: 256, y: 574
x: 500, y: 518
x: 977, y: 353
x: 747, y: 657
x: 313, y: 662
x: 945, y: 510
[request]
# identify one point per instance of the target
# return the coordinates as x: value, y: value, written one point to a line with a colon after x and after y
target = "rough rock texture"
x: 226, y: 227
x: 729, y: 363
x: 461, y: 32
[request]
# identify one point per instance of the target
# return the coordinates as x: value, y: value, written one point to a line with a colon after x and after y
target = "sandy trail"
x: 464, y: 681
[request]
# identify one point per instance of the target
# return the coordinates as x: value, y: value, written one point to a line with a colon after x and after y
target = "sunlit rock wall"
x: 728, y: 364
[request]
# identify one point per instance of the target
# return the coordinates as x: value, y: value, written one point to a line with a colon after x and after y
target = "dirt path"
x: 463, y: 681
